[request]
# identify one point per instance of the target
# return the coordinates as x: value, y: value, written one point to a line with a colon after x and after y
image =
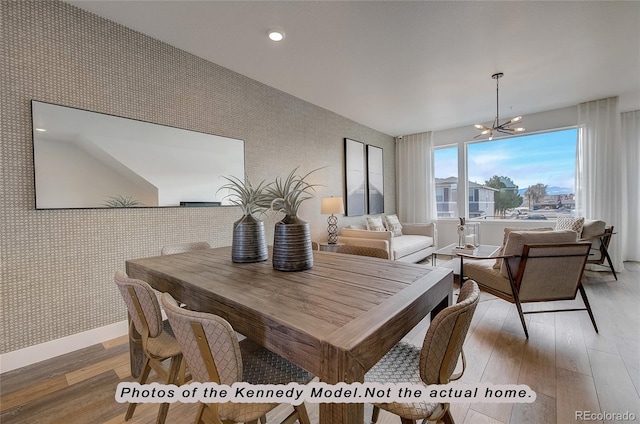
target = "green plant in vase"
x: 292, y: 236
x: 249, y: 239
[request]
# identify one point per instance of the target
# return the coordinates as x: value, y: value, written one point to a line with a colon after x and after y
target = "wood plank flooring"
x: 570, y: 367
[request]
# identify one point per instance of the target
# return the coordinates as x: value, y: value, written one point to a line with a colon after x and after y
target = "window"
x: 525, y: 177
x: 446, y: 174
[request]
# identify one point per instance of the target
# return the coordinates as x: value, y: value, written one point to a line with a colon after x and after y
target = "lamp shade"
x: 332, y: 205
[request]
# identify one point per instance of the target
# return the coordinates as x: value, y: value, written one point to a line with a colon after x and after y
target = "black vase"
x: 292, y: 245
x: 249, y: 241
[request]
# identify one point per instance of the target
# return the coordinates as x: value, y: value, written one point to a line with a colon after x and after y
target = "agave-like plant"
x: 121, y: 202
x: 250, y: 198
x: 286, y: 195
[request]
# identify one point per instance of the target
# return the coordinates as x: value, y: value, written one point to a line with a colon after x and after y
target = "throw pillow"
x: 393, y: 225
x: 508, y: 230
x: 374, y: 223
x: 570, y: 223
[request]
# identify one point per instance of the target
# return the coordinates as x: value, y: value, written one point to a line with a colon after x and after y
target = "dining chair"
x: 537, y: 266
x: 433, y: 363
x: 351, y: 249
x: 184, y: 247
x: 214, y: 354
x: 157, y: 344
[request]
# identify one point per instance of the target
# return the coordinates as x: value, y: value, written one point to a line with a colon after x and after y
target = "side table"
x: 482, y: 250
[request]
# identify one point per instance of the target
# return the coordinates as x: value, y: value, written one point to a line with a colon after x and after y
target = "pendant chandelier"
x: 497, y: 127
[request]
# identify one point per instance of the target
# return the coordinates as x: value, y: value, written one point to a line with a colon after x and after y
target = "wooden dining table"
x: 336, y: 319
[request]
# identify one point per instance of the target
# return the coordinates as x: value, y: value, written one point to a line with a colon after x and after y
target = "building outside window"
x: 446, y: 175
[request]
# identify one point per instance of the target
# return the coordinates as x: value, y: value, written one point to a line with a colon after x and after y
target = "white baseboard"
x: 36, y: 353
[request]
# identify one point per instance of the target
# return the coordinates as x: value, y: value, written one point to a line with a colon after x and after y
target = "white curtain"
x: 415, y: 182
x: 600, y: 167
x: 630, y: 135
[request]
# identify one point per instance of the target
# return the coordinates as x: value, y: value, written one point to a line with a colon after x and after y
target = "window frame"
x: 463, y: 155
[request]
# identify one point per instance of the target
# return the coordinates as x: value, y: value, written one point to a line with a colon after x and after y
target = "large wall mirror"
x: 86, y: 159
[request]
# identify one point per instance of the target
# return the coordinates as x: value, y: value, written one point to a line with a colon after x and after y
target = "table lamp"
x: 331, y: 205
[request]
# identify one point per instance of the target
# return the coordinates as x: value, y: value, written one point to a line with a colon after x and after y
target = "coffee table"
x: 483, y: 250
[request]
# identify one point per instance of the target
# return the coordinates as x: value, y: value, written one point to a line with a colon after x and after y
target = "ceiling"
x: 406, y: 67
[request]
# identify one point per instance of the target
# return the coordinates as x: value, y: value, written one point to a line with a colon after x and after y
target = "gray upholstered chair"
x: 184, y: 247
x: 434, y: 363
x: 535, y: 266
x: 374, y: 252
x: 157, y: 345
x: 213, y: 354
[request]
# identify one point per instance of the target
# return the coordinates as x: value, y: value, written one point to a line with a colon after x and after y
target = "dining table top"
x: 336, y: 319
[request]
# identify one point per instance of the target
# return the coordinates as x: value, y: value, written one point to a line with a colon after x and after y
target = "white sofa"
x: 417, y: 242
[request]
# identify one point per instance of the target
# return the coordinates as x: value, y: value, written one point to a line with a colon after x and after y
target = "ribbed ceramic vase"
x: 292, y: 245
x: 249, y: 241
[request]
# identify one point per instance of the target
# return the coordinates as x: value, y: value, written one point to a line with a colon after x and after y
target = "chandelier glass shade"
x: 506, y: 127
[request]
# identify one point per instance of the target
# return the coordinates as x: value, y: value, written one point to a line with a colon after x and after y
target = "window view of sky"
x: 547, y: 158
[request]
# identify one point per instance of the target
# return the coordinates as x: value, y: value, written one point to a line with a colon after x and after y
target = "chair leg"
x: 516, y: 299
x: 586, y: 303
x: 173, y: 377
x: 606, y: 255
x: 447, y: 418
x: 524, y: 325
x: 375, y: 415
x: 200, y: 414
x: 146, y: 369
x: 407, y: 421
x: 162, y: 413
x: 303, y: 417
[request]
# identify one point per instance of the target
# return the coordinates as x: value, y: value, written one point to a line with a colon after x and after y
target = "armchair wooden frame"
x: 604, y: 240
x: 531, y: 255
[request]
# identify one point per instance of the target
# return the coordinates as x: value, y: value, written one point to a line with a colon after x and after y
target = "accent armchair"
x: 599, y: 234
x: 537, y: 266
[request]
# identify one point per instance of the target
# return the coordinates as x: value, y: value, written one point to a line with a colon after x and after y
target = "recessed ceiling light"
x: 40, y: 129
x: 275, y: 35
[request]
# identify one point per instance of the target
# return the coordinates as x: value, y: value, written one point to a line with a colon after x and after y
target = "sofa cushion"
x: 393, y: 225
x: 517, y: 240
x: 408, y: 244
x: 483, y: 272
x: 374, y: 223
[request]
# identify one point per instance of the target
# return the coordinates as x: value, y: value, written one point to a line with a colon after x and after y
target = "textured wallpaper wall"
x: 57, y: 265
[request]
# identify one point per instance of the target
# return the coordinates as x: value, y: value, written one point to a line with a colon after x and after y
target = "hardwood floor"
x: 568, y: 365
